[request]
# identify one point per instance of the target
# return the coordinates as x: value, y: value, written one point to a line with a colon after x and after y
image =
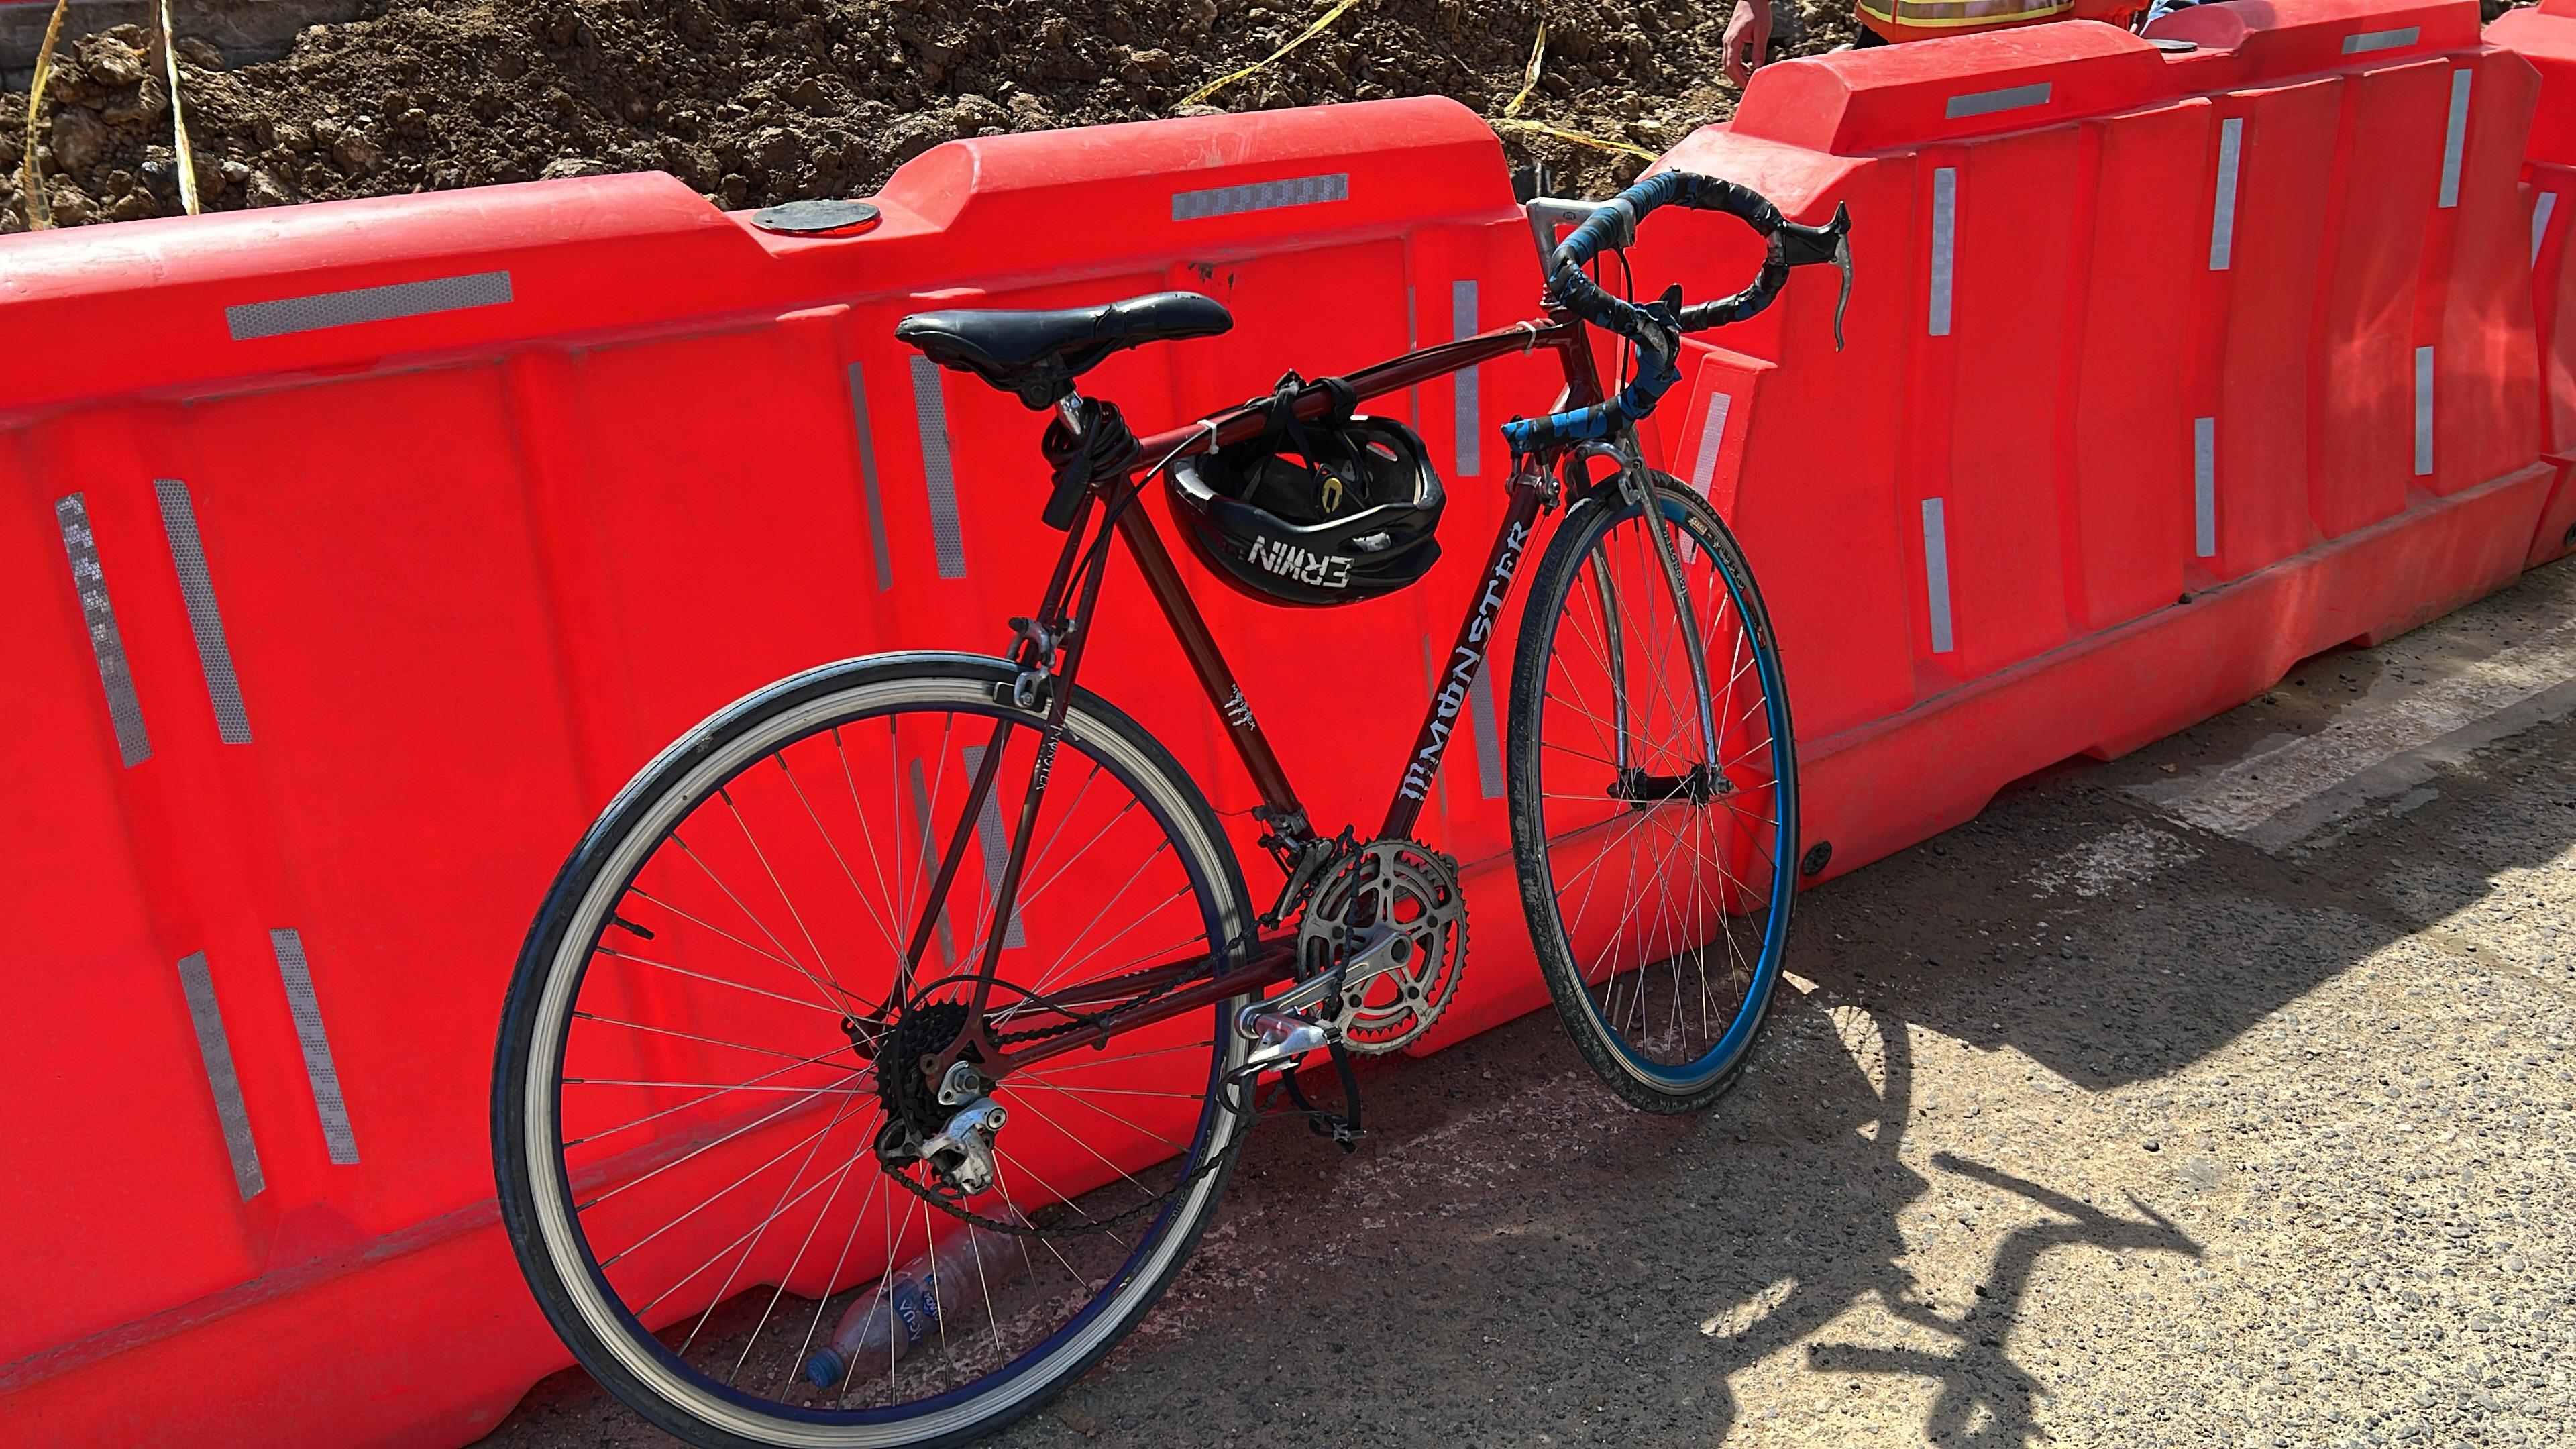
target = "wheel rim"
x: 1148, y: 1124
x: 1670, y: 900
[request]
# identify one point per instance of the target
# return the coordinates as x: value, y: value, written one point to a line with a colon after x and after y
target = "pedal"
x: 1278, y: 1037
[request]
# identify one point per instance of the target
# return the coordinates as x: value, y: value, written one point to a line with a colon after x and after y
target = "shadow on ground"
x: 1513, y: 1258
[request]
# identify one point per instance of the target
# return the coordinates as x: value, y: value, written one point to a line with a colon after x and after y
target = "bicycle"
x: 807, y: 1132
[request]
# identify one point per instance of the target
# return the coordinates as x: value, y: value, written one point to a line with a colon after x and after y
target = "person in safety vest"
x: 1748, y: 34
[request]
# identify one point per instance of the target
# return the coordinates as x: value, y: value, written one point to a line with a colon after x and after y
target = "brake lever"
x: 1843, y: 264
x: 1805, y: 246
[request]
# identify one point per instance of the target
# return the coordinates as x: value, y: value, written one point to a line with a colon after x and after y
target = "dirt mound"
x: 755, y: 102
x: 761, y: 101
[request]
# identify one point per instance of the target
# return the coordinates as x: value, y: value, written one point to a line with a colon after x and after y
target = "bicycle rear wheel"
x: 1654, y: 806
x: 699, y: 1108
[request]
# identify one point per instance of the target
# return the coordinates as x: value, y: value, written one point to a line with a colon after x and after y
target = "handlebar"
x: 1656, y: 327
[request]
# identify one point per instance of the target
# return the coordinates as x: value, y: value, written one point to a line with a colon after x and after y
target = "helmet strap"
x: 1284, y: 423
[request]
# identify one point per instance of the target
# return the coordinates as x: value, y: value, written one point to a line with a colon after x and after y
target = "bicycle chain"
x: 1252, y: 1113
x: 1041, y: 1033
x: 954, y: 1206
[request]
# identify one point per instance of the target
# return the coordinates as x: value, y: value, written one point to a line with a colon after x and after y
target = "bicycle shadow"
x: 1983, y: 1397
x: 1979, y: 1376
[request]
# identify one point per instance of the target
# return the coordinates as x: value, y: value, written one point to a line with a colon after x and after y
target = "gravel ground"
x: 2083, y: 1125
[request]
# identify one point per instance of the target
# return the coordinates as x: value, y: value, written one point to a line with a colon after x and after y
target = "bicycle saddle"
x: 1037, y: 355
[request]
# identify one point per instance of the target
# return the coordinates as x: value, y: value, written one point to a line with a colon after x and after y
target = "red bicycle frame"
x: 1271, y: 959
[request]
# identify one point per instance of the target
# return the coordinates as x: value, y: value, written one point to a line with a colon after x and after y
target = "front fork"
x: 1637, y: 487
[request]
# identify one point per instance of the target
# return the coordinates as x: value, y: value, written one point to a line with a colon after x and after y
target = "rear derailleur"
x: 948, y: 1123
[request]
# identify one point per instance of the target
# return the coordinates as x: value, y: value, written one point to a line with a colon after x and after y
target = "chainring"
x: 1391, y: 887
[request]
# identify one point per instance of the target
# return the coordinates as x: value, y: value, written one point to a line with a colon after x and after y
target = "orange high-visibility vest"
x: 1933, y: 19
x: 1929, y: 19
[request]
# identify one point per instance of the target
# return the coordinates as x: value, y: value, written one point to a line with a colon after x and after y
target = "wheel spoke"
x: 1661, y: 906
x: 739, y: 1204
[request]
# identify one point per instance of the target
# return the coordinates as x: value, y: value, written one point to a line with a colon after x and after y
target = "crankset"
x: 1380, y: 951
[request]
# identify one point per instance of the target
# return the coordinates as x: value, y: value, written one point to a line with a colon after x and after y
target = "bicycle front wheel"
x: 716, y: 1106
x: 1653, y: 794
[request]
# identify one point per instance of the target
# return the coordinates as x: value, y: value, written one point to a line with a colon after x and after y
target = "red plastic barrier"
x: 409, y: 528
x: 2140, y: 342
x: 2546, y: 37
x: 481, y: 497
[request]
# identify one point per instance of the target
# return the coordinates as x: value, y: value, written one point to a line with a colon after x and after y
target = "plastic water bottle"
x: 884, y: 1324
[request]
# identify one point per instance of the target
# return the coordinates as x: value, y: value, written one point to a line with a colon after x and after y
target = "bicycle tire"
x: 1615, y: 1055
x: 536, y: 1198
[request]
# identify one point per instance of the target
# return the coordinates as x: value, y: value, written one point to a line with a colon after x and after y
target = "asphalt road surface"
x: 2219, y: 1095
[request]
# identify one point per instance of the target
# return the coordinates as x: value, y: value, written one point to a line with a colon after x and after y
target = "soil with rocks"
x: 755, y: 102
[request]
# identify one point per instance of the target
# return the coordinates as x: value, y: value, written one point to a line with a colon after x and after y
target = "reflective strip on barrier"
x: 1986, y: 103
x: 1265, y: 196
x: 1712, y: 431
x: 1945, y: 239
x: 930, y: 862
x: 930, y: 413
x: 877, y: 545
x: 214, y: 653
x: 1462, y: 317
x: 2363, y: 41
x: 2222, y: 218
x: 2204, y: 487
x: 1936, y: 574
x: 328, y: 1104
x: 1412, y: 342
x: 2455, y: 136
x: 251, y: 320
x: 115, y: 673
x: 1489, y: 744
x: 2423, y: 411
x: 2541, y: 206
x: 212, y: 1045
x: 996, y: 845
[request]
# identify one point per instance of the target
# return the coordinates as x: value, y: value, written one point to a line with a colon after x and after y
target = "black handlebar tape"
x: 1743, y: 203
x: 1700, y: 316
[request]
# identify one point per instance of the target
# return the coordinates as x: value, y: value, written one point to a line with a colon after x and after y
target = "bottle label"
x: 917, y: 1304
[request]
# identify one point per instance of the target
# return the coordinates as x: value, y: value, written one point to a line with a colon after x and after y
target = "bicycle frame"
x: 1270, y: 959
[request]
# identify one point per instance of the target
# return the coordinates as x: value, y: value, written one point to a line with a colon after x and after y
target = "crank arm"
x: 1374, y: 960
x: 1282, y: 1039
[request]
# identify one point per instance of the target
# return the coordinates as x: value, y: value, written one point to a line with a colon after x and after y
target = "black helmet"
x: 1325, y: 512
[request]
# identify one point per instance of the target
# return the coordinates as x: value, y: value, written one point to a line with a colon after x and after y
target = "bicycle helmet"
x: 1331, y: 511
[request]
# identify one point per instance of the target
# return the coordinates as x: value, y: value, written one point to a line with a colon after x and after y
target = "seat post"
x: 1069, y: 407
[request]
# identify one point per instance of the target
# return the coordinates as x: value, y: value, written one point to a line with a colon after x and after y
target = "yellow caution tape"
x: 178, y: 120
x: 1221, y: 82
x: 1510, y: 120
x: 1529, y: 78
x: 40, y: 213
x: 1507, y: 123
